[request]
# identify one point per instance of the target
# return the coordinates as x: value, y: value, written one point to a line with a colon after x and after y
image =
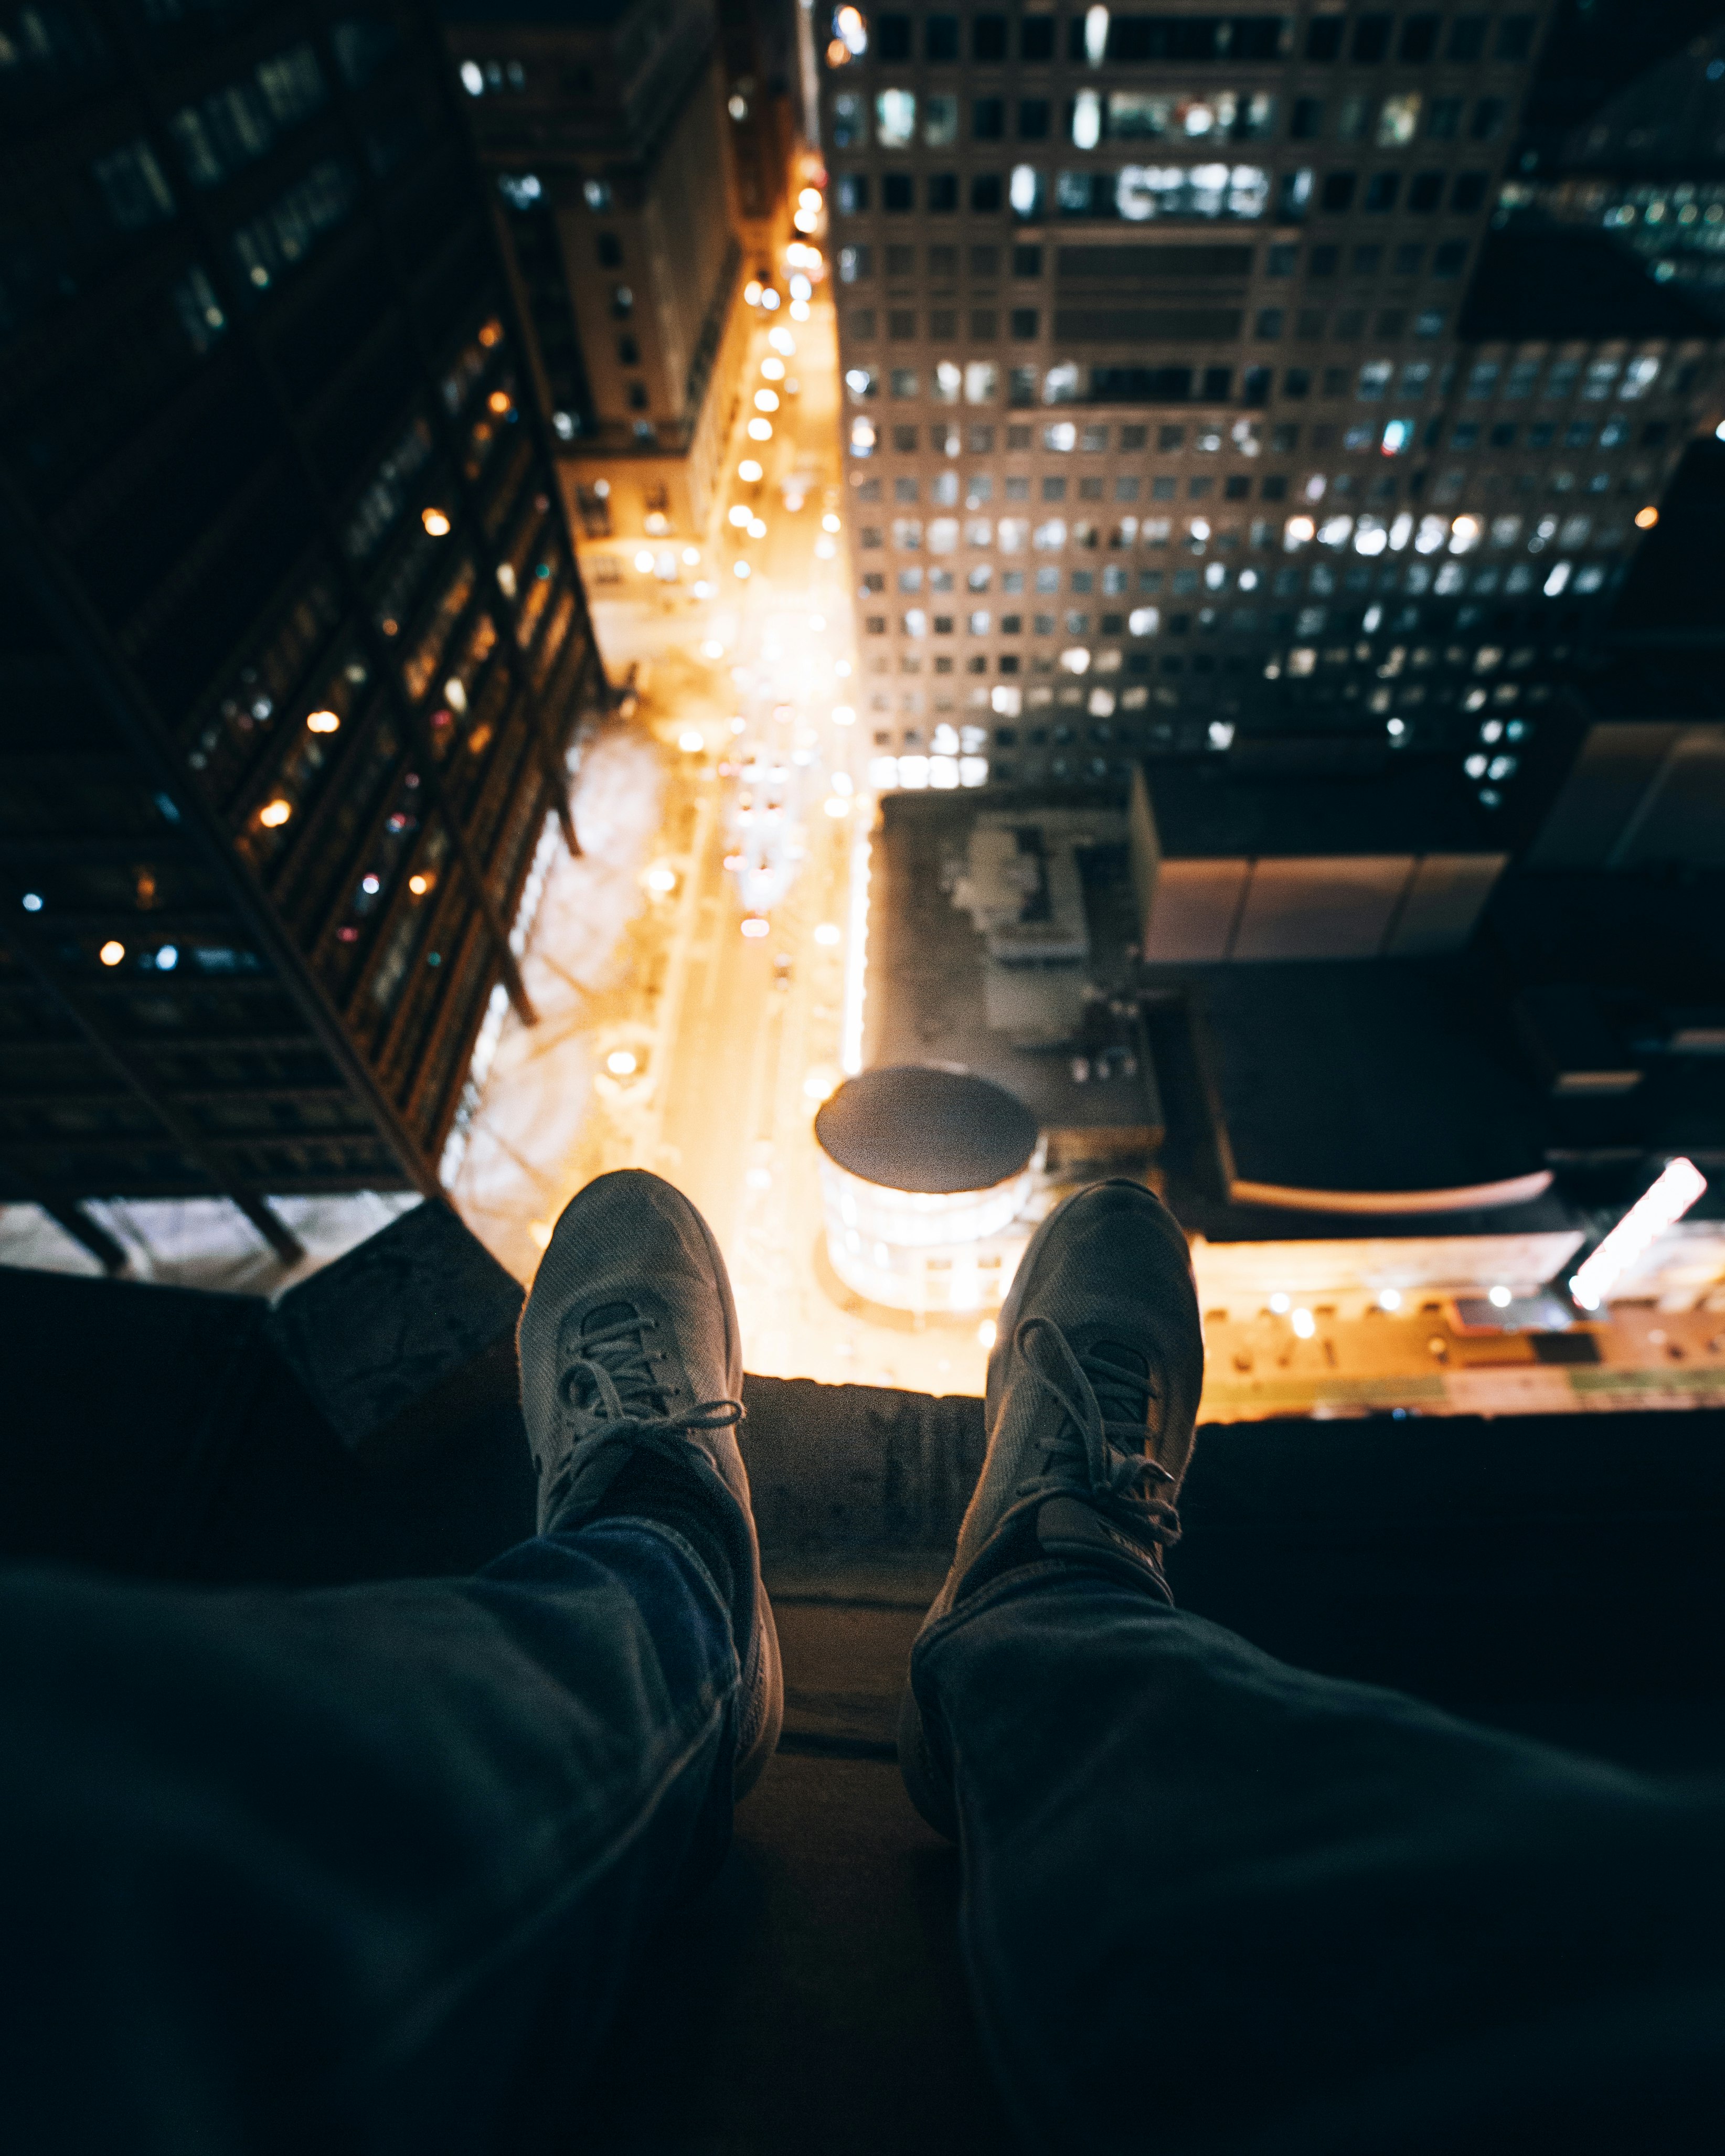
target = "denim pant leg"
x: 1211, y: 1903
x: 349, y: 1869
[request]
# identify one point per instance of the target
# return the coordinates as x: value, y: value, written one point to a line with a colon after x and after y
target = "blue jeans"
x: 354, y: 1869
x: 1211, y: 1903
x: 344, y: 1869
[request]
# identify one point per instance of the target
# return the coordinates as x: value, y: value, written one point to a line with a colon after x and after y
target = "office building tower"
x: 292, y: 641
x: 606, y: 136
x: 758, y: 52
x: 1170, y: 427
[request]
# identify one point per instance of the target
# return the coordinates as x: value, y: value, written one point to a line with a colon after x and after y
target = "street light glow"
x: 643, y: 560
x: 830, y: 522
x: 748, y: 471
x: 692, y: 741
x: 844, y: 716
x: 760, y: 430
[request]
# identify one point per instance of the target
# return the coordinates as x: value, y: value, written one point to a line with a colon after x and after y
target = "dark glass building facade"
x: 291, y: 641
x: 1182, y: 413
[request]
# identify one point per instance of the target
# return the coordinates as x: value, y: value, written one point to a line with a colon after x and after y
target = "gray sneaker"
x: 629, y: 1343
x: 1092, y: 1398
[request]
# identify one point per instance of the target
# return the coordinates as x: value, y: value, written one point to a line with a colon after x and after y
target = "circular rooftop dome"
x: 910, y: 1127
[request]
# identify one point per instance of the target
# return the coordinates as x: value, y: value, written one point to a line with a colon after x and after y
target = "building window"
x: 1426, y: 191
x: 898, y: 193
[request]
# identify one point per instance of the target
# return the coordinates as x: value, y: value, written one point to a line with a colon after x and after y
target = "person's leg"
x: 341, y: 1869
x: 1213, y: 1904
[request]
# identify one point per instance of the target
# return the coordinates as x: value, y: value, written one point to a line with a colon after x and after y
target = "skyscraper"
x: 610, y: 137
x: 1172, y: 426
x: 291, y: 636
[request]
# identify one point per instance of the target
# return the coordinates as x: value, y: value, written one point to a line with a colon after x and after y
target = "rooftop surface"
x: 935, y: 996
x: 910, y: 1127
x: 1383, y: 1075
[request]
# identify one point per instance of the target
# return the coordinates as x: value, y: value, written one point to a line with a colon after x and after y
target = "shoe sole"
x: 927, y: 1789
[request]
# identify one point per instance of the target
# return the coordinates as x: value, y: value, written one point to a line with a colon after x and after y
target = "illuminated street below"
x: 668, y: 1038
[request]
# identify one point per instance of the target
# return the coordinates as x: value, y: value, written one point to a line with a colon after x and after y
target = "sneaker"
x: 629, y: 1343
x: 1092, y: 1401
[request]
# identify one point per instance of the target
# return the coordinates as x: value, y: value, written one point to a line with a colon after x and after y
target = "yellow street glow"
x: 828, y: 933
x: 322, y: 722
x: 435, y: 523
x: 773, y: 369
x: 111, y: 953
x: 760, y: 430
x: 844, y: 716
x: 766, y: 400
x: 830, y: 522
x: 758, y: 529
x: 643, y: 560
x: 748, y: 471
x: 739, y: 515
x: 692, y: 741
x: 275, y: 813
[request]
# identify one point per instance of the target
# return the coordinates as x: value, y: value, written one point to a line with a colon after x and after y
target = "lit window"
x: 895, y: 118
